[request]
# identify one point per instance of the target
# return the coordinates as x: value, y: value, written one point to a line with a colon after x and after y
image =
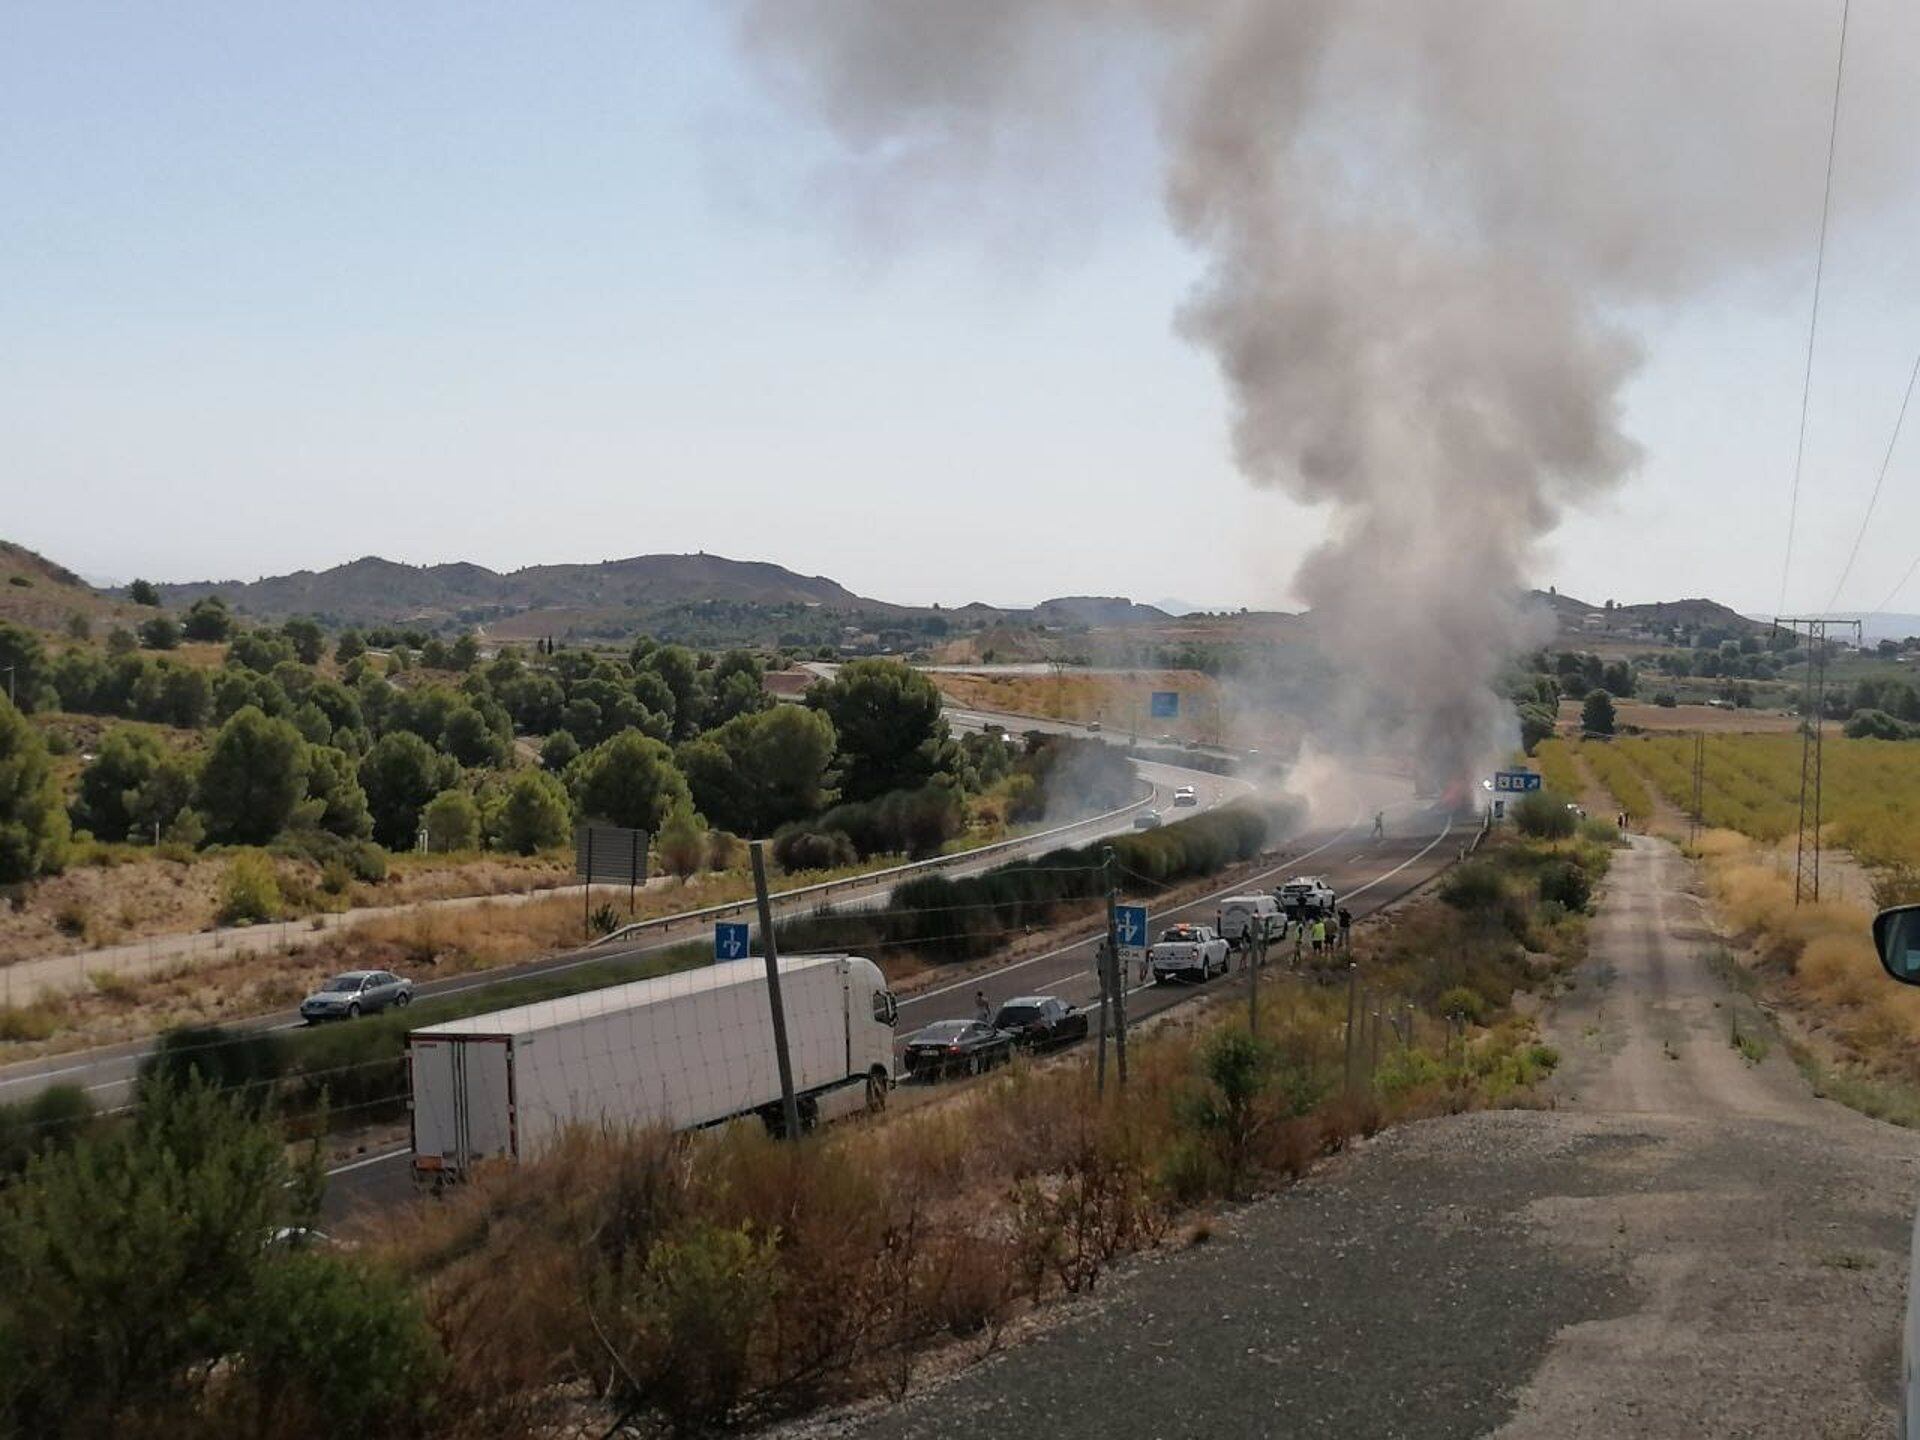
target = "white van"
x: 1244, y: 918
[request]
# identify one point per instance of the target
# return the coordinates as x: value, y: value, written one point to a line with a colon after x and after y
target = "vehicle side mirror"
x: 1896, y: 935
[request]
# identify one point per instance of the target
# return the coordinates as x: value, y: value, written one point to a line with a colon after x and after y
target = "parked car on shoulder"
x: 956, y: 1047
x: 1251, y: 919
x: 355, y: 993
x: 1185, y: 795
x: 1305, y: 897
x: 1040, y: 1022
x: 1147, y: 820
x: 1187, y: 952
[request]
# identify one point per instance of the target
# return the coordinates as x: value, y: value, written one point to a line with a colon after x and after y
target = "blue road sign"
x: 1515, y: 780
x: 1165, y: 704
x: 1130, y: 922
x: 729, y: 941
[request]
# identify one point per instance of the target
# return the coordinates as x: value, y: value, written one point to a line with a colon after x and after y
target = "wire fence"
x: 26, y: 981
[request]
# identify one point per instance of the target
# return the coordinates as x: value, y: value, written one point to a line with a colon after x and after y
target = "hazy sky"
x: 281, y: 286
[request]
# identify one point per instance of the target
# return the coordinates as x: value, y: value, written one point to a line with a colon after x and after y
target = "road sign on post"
x: 730, y: 940
x: 1164, y: 705
x: 1516, y: 781
x: 1130, y: 929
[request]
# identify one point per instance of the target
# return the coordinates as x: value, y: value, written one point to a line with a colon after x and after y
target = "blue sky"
x: 281, y: 286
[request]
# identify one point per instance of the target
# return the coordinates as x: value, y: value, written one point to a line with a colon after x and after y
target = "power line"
x: 1813, y: 324
x: 1881, y: 480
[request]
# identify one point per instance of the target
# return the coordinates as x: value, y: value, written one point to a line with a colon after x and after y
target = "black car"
x: 956, y: 1047
x: 1040, y: 1022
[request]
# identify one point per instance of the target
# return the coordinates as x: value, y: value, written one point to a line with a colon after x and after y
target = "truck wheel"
x: 876, y: 1094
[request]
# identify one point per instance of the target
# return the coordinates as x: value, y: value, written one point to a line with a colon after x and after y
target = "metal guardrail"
x: 827, y: 887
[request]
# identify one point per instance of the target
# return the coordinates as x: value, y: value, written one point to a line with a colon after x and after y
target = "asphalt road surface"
x: 1689, y: 1244
x: 107, y: 1073
x: 1366, y: 873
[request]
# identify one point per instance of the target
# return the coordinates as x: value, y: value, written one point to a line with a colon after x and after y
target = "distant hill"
x: 41, y: 595
x: 1650, y: 622
x: 1100, y: 610
x: 372, y: 589
x: 700, y: 598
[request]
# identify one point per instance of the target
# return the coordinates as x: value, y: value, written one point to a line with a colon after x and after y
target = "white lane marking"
x: 1381, y: 879
x: 50, y: 1074
x: 370, y: 1160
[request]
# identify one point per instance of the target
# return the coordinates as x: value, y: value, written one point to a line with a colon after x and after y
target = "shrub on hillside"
x: 249, y: 891
x: 1473, y: 887
x: 1544, y: 815
x: 1565, y: 883
x: 804, y: 848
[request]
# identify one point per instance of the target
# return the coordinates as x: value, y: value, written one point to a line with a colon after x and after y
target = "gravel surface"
x: 1689, y: 1244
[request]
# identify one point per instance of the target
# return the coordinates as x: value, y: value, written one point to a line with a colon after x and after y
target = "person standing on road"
x: 1379, y: 824
x: 1346, y: 928
x: 981, y: 1008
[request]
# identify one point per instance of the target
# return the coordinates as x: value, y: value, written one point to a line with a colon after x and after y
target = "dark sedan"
x: 1040, y: 1022
x: 956, y: 1047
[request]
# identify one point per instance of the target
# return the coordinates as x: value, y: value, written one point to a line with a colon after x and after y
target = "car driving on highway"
x: 1041, y: 1022
x: 955, y: 1047
x: 356, y: 993
x: 1185, y: 795
x: 1147, y: 820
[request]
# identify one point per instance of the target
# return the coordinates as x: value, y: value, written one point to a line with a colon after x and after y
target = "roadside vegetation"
x: 1854, y: 1032
x: 719, y: 1281
x: 177, y: 749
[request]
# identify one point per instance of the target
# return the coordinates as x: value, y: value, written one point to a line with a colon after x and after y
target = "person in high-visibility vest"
x: 1319, y: 936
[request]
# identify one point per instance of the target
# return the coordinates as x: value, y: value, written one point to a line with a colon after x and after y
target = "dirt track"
x: 1690, y: 1244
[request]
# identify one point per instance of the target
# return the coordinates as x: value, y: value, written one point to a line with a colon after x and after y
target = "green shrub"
x: 682, y: 1320
x: 244, y: 1060
x: 1544, y: 816
x: 1474, y: 886
x: 327, y: 1345
x: 1464, y: 1004
x: 57, y: 1117
x: 249, y: 891
x: 803, y: 848
x: 1565, y: 883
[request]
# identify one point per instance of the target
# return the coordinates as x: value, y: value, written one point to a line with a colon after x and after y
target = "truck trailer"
x: 677, y: 1051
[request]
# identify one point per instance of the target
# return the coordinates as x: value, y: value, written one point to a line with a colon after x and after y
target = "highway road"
x: 107, y: 1073
x: 1366, y: 874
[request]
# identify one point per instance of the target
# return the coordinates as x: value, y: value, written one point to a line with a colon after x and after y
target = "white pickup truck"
x: 1187, y: 952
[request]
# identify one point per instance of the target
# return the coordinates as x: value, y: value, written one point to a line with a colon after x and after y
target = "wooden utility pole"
x: 1119, y: 979
x: 789, y: 1106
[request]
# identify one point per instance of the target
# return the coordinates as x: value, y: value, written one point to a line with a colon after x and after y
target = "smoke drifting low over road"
x: 1421, y: 225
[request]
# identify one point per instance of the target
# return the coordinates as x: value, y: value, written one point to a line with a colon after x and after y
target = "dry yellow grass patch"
x: 1821, y: 954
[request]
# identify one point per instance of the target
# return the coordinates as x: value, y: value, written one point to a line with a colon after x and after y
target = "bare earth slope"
x: 1689, y: 1245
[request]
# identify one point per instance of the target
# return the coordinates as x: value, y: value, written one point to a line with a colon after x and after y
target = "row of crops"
x: 1751, y: 784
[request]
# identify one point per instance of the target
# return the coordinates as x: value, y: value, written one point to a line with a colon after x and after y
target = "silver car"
x: 356, y: 993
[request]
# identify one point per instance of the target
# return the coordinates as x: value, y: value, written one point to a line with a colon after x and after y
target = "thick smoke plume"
x: 1421, y: 223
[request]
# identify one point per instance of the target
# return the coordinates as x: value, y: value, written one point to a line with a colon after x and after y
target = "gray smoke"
x: 1423, y: 223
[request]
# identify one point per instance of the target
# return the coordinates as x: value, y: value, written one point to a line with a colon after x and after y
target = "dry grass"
x: 1817, y: 959
x: 1118, y: 701
x: 835, y: 1269
x: 719, y: 1279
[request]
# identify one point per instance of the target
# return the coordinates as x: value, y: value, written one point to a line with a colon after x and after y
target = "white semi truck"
x: 678, y: 1051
